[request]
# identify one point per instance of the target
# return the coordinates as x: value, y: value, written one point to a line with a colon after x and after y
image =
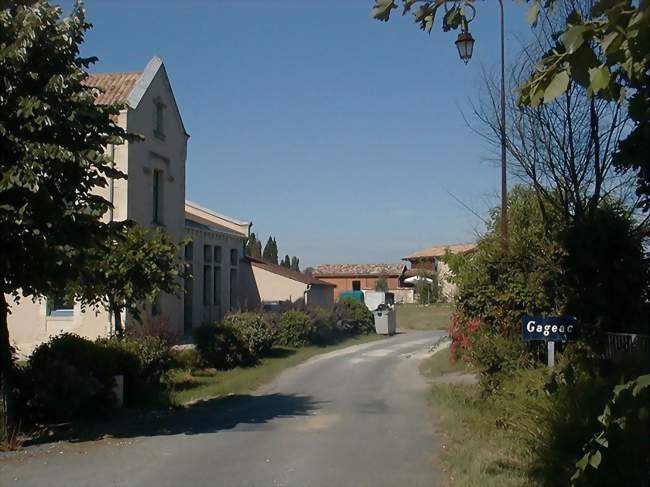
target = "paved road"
x: 353, y: 417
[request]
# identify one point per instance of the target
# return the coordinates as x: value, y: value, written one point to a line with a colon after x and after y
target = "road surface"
x: 352, y: 417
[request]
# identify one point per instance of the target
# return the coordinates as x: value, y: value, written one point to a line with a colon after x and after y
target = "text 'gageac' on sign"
x: 549, y: 328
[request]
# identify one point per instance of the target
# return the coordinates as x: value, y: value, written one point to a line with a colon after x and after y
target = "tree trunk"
x: 117, y: 315
x: 6, y: 363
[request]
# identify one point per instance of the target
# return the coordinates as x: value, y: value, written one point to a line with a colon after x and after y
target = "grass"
x: 419, y: 317
x: 187, y: 386
x: 475, y: 451
x: 440, y: 363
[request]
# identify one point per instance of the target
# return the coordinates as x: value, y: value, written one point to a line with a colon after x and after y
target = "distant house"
x: 216, y: 255
x: 267, y: 283
x: 362, y: 277
x: 429, y: 260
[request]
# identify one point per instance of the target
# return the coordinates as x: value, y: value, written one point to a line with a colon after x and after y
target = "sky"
x: 341, y: 136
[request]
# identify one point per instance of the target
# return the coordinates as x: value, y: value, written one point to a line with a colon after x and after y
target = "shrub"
x: 156, y: 326
x: 69, y: 377
x: 459, y: 331
x: 296, y: 329
x: 186, y: 358
x: 324, y: 323
x: 258, y: 331
x: 144, y: 358
x: 496, y: 357
x: 353, y: 317
x: 221, y: 346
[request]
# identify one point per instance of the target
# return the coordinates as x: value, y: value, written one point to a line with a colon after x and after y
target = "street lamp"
x: 465, y: 45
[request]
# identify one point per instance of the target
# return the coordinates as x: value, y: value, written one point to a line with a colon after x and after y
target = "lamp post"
x: 465, y: 45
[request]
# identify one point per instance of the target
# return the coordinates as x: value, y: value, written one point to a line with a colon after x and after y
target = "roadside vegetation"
x: 70, y: 378
x: 577, y: 141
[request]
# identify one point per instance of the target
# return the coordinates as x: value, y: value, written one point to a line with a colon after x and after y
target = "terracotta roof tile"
x: 116, y: 86
x: 359, y: 270
x: 288, y: 273
x: 440, y: 250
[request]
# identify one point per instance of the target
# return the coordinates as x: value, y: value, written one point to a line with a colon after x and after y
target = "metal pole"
x: 504, y: 180
x: 550, y: 356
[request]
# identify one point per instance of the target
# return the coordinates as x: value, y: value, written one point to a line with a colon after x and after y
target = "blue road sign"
x: 549, y: 328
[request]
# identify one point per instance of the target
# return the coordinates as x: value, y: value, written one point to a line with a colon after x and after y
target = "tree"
x: 134, y: 266
x: 309, y: 271
x: 254, y: 246
x: 295, y: 264
x: 564, y: 148
x: 271, y: 251
x: 382, y: 284
x: 52, y: 140
x: 605, y: 50
x: 286, y: 262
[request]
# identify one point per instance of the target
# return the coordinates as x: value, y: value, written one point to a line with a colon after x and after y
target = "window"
x: 233, y: 257
x: 217, y: 254
x: 356, y: 285
x: 217, y: 286
x: 159, y: 119
x: 233, y: 288
x: 207, y: 253
x: 189, y: 251
x: 157, y: 196
x: 59, y: 307
x: 206, y: 284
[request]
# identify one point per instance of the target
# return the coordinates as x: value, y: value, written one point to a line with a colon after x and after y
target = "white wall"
x: 29, y: 324
x: 274, y: 287
x: 212, y: 312
x: 163, y: 154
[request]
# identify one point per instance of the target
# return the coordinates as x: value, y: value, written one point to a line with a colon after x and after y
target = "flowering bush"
x: 459, y: 332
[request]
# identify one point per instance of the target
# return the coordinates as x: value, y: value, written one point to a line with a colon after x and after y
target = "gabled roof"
x: 288, y: 273
x: 335, y: 270
x: 129, y: 88
x: 441, y: 250
x: 116, y: 87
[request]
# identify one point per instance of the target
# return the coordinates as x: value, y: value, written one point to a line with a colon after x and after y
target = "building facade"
x: 430, y: 260
x: 361, y: 277
x: 216, y: 254
x: 153, y: 196
x: 265, y: 283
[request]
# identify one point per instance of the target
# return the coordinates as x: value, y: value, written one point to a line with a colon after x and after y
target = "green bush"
x: 353, y: 317
x: 296, y: 329
x: 69, y: 377
x: 496, y: 357
x: 221, y: 346
x: 258, y: 331
x: 186, y: 358
x: 595, y: 270
x: 324, y: 323
x: 146, y: 358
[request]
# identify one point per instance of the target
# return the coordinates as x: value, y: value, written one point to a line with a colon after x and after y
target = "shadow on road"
x: 208, y: 416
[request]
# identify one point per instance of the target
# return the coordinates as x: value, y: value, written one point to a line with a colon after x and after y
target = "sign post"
x: 550, y: 354
x: 550, y: 329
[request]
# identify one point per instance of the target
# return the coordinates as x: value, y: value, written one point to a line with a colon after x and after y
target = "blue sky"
x: 338, y: 134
